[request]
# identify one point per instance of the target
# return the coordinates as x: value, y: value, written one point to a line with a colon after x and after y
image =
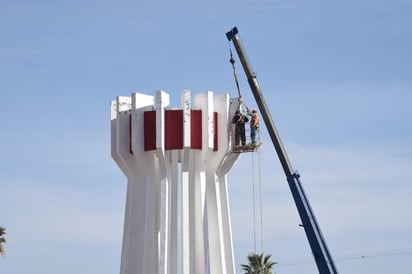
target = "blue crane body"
x: 322, y: 256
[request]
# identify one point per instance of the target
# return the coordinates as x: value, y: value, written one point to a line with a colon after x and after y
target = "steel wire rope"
x: 254, y: 203
x: 232, y: 61
x: 260, y: 200
x: 359, y: 256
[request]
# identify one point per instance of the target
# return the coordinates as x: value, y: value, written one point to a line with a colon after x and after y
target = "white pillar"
x: 187, y: 235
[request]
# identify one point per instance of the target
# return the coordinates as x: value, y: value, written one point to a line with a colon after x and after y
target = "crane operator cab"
x: 244, y: 130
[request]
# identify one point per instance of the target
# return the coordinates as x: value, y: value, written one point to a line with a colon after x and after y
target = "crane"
x: 322, y: 256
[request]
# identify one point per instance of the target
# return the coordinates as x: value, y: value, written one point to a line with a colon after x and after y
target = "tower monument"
x: 176, y: 161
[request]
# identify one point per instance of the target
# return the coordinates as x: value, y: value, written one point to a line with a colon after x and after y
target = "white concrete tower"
x: 169, y: 153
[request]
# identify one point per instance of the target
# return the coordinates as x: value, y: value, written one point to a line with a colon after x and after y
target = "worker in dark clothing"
x: 239, y: 119
x: 254, y: 125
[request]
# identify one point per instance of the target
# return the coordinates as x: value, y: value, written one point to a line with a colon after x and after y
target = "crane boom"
x: 322, y: 256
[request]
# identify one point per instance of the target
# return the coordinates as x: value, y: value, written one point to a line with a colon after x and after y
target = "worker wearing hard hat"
x: 254, y: 125
x: 239, y: 120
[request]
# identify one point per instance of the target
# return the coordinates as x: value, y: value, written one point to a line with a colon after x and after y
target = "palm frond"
x: 258, y: 264
x: 2, y: 240
x: 2, y: 231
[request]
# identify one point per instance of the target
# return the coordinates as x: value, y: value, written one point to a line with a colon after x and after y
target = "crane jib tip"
x: 230, y: 34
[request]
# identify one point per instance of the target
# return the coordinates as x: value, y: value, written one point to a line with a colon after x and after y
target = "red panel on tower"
x: 215, y: 131
x: 130, y: 134
x: 196, y: 129
x: 149, y: 130
x: 174, y: 129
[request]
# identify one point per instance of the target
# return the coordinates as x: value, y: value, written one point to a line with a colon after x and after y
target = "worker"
x: 239, y: 119
x: 254, y: 125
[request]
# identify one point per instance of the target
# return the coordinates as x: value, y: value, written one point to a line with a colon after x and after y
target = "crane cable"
x: 254, y: 203
x: 260, y: 202
x: 232, y: 61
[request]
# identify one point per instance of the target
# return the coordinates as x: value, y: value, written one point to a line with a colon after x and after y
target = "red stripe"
x: 196, y: 129
x: 174, y: 129
x: 149, y: 130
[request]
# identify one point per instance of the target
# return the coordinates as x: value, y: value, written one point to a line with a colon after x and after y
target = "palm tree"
x: 2, y: 239
x: 258, y: 264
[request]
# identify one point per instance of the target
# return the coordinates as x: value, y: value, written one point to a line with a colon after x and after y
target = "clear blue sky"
x: 336, y: 76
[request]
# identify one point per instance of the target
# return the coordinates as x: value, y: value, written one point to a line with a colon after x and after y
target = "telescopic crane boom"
x: 323, y: 258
